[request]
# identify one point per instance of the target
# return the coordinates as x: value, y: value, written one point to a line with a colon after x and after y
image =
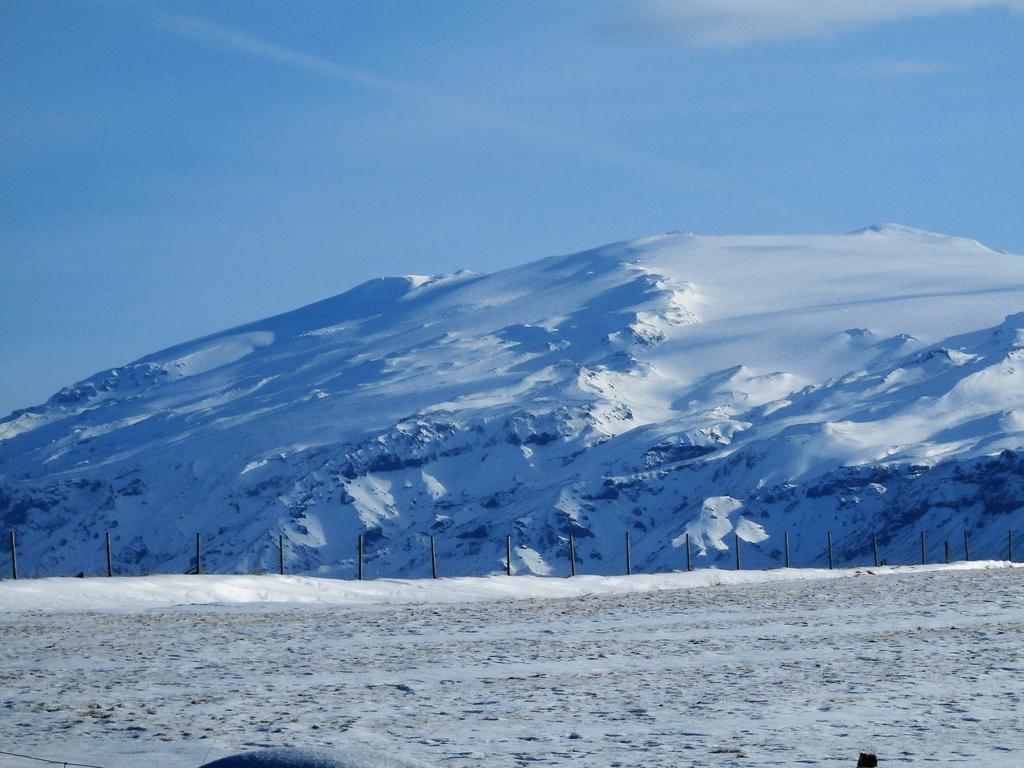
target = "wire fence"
x: 426, y: 556
x: 25, y: 760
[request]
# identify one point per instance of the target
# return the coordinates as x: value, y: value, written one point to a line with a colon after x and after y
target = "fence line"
x: 768, y: 560
x: 51, y: 762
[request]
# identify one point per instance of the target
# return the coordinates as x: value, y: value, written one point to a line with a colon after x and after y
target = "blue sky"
x: 175, y: 168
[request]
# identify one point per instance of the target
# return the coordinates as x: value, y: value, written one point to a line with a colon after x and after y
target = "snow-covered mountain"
x: 716, y: 386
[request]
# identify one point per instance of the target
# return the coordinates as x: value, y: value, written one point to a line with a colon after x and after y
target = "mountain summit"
x: 722, y: 387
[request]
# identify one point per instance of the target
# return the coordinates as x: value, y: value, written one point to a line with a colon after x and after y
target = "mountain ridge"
x: 625, y: 387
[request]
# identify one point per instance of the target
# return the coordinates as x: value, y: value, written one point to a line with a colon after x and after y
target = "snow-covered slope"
x: 663, y: 386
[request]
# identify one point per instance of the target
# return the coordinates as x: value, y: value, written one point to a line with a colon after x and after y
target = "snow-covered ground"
x: 150, y: 592
x: 920, y: 665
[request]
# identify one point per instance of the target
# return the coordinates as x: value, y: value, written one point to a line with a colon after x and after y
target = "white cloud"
x: 732, y: 23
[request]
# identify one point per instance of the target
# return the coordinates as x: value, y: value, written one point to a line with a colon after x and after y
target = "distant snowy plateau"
x: 718, y: 386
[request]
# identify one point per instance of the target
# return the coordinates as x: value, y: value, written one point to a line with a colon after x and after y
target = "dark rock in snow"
x: 305, y: 758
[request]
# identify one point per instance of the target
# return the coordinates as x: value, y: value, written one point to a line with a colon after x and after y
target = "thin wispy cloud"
x: 734, y: 23
x: 900, y: 68
x: 206, y: 32
x: 243, y: 43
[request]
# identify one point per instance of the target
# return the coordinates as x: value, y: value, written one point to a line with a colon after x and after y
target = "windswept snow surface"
x: 858, y: 384
x: 152, y: 592
x: 920, y: 667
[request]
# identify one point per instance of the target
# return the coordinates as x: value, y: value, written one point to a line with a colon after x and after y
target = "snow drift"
x: 144, y: 593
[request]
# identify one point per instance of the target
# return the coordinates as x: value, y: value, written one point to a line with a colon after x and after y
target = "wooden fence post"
x: 947, y: 551
x: 280, y: 554
x: 967, y: 547
x: 14, y: 557
x: 689, y: 563
x: 508, y: 555
x: 572, y: 557
x: 629, y: 560
x: 829, y: 550
x: 110, y: 564
x: 736, y: 540
x: 924, y: 556
x: 874, y: 547
x: 359, y: 558
x: 199, y: 557
x: 785, y: 541
x: 433, y: 559
x: 1009, y: 545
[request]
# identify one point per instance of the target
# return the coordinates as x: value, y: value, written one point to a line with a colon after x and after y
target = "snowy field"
x: 920, y: 665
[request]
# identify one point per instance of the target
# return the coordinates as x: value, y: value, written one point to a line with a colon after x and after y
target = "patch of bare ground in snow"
x: 920, y: 668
